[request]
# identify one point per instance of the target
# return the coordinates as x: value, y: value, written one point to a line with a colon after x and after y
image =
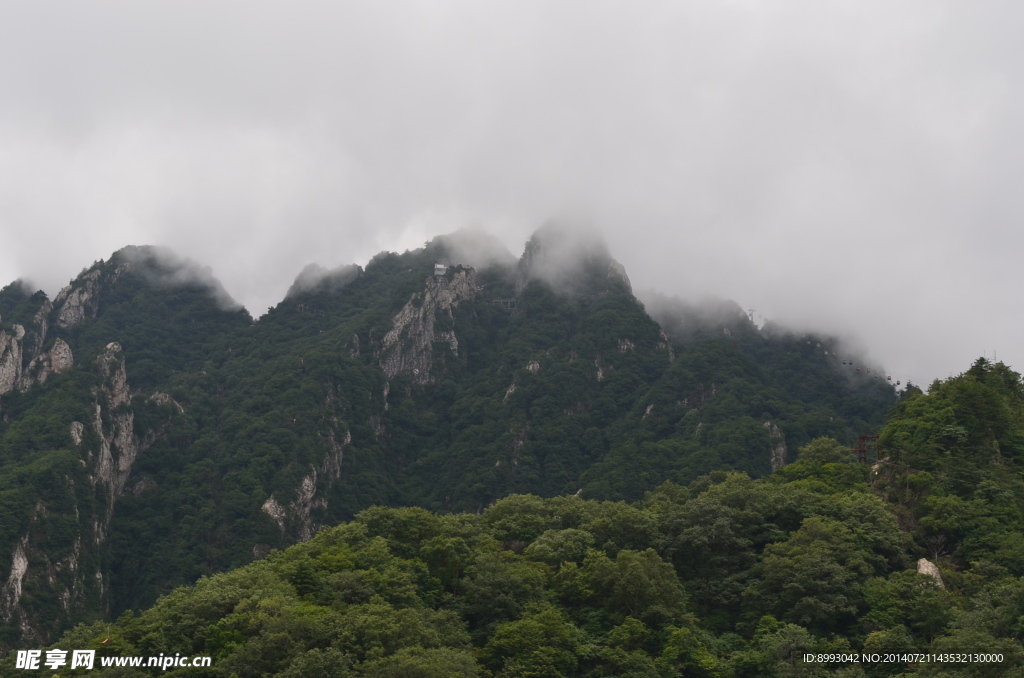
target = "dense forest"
x: 918, y: 551
x: 153, y: 433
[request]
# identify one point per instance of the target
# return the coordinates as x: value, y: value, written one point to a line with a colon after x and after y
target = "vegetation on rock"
x: 225, y: 438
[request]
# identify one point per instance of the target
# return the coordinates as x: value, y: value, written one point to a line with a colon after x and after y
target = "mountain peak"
x: 153, y: 265
x: 475, y: 247
x: 316, y: 278
x: 570, y: 259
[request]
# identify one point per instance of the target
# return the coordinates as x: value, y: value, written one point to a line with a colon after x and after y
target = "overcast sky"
x: 848, y: 166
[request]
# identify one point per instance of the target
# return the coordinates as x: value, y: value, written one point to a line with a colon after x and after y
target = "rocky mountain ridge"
x: 151, y: 432
x: 107, y: 446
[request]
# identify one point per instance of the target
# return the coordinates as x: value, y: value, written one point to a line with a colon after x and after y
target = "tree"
x: 813, y: 578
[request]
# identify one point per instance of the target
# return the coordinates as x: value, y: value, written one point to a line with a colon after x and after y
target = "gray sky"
x: 844, y: 165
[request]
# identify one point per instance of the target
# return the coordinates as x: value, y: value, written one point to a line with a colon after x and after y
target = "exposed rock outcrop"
x: 666, y: 343
x: 275, y: 511
x: 108, y: 458
x: 77, y: 428
x: 42, y: 326
x: 118, y: 445
x: 10, y: 594
x: 925, y: 566
x: 23, y: 363
x: 309, y: 499
x: 311, y: 494
x: 76, y: 303
x: 408, y: 348
x: 34, y: 566
x: 10, y: 359
x: 58, y: 359
x: 81, y: 298
x: 165, y: 400
x: 778, y: 445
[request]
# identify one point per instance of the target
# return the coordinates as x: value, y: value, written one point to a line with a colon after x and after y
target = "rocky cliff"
x: 296, y: 520
x: 81, y: 299
x: 426, y: 321
x: 23, y: 362
x: 151, y: 433
x: 80, y: 502
x: 779, y: 451
x: 11, y: 358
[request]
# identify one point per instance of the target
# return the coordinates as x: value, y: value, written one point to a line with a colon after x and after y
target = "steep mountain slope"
x: 74, y: 424
x: 151, y: 432
x: 908, y: 566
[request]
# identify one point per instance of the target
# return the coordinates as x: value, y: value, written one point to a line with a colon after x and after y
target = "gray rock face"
x: 80, y: 299
x: 10, y: 359
x: 313, y: 489
x: 408, y: 348
x: 76, y: 430
x: 10, y: 594
x: 925, y: 566
x: 108, y: 458
x: 75, y: 304
x: 22, y: 362
x: 666, y: 344
x: 58, y: 359
x: 34, y: 343
x: 164, y: 399
x: 61, y: 359
x: 778, y: 443
x: 119, y: 447
x: 275, y: 511
x: 32, y: 566
x: 312, y: 492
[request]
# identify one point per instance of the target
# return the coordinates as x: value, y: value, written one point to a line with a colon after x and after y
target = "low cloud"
x: 161, y: 266
x: 566, y: 256
x: 316, y: 278
x: 475, y: 247
x: 846, y: 167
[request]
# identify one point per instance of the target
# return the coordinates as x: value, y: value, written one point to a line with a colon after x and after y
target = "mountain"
x: 909, y: 565
x: 151, y: 432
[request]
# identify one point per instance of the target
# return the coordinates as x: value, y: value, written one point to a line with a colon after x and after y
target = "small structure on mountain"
x: 440, y: 267
x: 867, y: 449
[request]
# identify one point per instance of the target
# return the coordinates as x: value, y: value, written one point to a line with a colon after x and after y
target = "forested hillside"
x: 918, y: 552
x: 151, y: 432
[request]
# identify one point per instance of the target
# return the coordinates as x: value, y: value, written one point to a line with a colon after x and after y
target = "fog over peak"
x: 315, y: 277
x: 474, y: 246
x: 570, y: 257
x: 162, y: 266
x: 845, y: 167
